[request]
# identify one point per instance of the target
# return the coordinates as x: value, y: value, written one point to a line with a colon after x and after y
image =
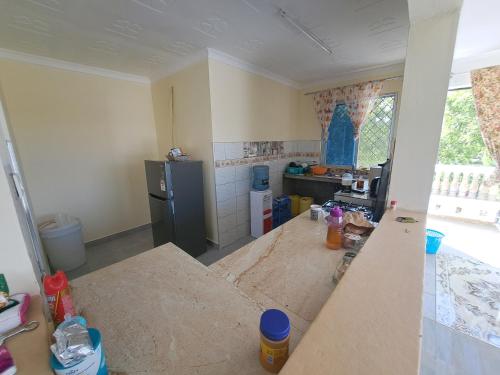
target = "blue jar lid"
x: 274, y: 325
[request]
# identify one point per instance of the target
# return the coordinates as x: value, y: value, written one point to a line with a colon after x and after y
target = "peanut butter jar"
x: 274, y: 339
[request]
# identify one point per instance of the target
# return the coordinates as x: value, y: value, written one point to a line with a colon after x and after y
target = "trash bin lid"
x: 58, y: 225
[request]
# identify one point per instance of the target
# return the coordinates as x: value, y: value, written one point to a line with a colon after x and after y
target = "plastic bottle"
x: 58, y: 296
x: 334, y: 234
x: 274, y: 339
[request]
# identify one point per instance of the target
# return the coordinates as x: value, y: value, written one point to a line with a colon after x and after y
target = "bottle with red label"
x: 58, y: 296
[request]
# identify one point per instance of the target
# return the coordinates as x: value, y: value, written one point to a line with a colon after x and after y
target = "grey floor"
x: 104, y: 254
x: 444, y: 351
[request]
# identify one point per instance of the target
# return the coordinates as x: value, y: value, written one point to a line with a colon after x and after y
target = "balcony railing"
x: 465, y: 191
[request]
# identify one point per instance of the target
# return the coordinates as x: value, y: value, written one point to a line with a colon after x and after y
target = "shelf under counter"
x: 320, y: 188
x: 328, y: 179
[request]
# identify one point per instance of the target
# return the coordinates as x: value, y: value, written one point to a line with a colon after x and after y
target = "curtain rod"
x: 381, y: 80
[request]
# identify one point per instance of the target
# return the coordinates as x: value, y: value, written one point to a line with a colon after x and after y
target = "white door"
x: 9, y: 162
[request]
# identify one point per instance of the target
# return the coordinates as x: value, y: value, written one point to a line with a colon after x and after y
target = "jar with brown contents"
x: 274, y: 339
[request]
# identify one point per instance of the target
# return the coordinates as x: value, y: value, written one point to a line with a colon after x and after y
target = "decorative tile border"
x: 260, y: 159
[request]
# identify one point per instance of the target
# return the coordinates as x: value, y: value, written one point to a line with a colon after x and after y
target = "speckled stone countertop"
x: 289, y: 268
x: 163, y: 312
x: 372, y: 322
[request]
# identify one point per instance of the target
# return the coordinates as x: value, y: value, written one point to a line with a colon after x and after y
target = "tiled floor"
x: 104, y: 254
x: 444, y: 350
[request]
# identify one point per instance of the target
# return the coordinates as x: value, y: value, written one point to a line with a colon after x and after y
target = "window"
x: 374, y: 143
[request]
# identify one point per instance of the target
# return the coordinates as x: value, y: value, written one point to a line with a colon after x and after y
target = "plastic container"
x: 295, y: 204
x: 305, y: 204
x: 433, y: 241
x: 281, y: 210
x: 274, y: 339
x: 319, y: 170
x: 63, y: 242
x: 260, y: 177
x: 58, y: 296
x: 94, y: 364
x: 334, y: 234
x: 315, y: 212
x: 295, y: 170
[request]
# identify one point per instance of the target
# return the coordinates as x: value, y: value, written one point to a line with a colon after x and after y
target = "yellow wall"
x: 249, y: 107
x: 192, y: 126
x: 82, y: 140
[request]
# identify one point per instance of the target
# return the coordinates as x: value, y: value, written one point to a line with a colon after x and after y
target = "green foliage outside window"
x: 461, y: 142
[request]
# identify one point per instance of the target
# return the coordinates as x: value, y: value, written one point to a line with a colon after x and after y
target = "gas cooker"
x: 328, y: 205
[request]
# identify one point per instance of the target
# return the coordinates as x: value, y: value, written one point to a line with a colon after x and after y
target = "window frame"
x: 392, y: 133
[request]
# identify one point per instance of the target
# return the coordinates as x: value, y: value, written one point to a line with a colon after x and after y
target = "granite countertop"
x: 371, y: 324
x: 289, y: 268
x: 163, y: 312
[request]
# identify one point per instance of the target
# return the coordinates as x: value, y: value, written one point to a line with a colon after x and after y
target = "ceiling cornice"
x: 251, y: 68
x: 359, y: 75
x: 70, y: 66
x: 184, y: 63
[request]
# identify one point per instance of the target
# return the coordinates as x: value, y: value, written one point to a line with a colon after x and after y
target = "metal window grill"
x: 375, y: 137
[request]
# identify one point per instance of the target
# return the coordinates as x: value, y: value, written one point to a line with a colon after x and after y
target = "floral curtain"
x: 359, y: 100
x: 324, y: 105
x: 486, y: 91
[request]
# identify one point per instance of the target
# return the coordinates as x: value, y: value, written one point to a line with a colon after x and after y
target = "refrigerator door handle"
x: 172, y: 206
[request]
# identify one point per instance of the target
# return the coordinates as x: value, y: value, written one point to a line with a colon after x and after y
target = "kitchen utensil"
x: 374, y: 187
x: 346, y: 182
x: 319, y: 170
x: 24, y: 328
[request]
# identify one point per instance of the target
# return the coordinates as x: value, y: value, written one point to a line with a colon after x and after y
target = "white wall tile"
x: 227, y: 223
x: 243, y: 172
x: 242, y: 187
x: 242, y: 216
x: 243, y: 230
x: 224, y: 175
x: 234, y: 150
x: 225, y: 192
x: 219, y: 151
x: 287, y: 146
x: 273, y: 166
x: 227, y: 238
x: 243, y: 202
x: 226, y: 207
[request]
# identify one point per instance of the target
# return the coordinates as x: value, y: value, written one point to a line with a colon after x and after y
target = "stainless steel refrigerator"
x: 175, y: 191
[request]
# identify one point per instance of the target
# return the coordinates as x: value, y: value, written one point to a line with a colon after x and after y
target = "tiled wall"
x: 233, y: 172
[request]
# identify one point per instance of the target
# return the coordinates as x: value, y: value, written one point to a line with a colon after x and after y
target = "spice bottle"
x: 334, y: 235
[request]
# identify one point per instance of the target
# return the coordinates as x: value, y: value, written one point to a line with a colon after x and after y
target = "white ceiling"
x: 148, y: 37
x: 478, y: 29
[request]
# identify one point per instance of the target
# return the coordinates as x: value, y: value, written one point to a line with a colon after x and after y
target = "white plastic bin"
x: 62, y: 240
